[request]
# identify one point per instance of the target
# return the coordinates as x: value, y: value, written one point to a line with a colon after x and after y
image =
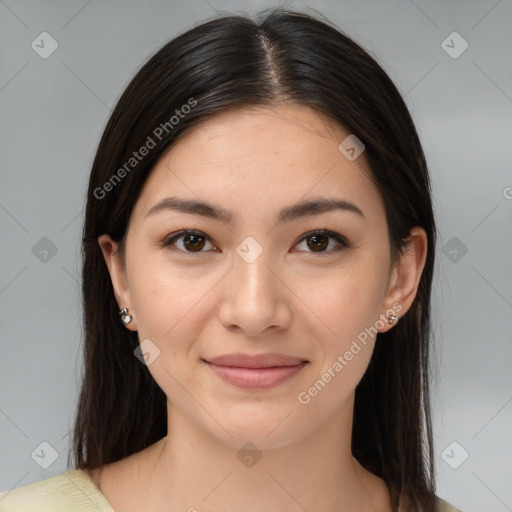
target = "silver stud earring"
x: 125, y: 317
x: 392, y: 319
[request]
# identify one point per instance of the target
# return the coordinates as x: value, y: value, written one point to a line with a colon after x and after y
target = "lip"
x: 255, y: 360
x: 261, y: 371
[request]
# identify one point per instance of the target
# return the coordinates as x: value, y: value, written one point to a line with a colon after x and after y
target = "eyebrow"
x: 287, y: 214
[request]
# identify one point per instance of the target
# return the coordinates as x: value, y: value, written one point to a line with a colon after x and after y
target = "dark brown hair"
x: 233, y: 62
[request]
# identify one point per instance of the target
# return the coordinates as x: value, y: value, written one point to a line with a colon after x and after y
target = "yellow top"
x: 73, y: 491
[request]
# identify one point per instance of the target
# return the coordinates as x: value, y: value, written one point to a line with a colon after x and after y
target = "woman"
x: 258, y: 249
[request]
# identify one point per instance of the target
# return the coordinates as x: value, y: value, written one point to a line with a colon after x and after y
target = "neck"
x: 191, y: 471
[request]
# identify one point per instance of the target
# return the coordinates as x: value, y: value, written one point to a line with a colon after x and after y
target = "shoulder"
x: 444, y: 506
x: 73, y: 490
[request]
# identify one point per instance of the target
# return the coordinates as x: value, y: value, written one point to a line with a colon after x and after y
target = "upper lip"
x: 255, y: 361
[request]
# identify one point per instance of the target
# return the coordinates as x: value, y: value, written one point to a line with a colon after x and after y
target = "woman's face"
x: 252, y: 278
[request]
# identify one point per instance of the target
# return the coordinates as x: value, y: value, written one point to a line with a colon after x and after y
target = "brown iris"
x: 194, y: 242
x: 318, y: 242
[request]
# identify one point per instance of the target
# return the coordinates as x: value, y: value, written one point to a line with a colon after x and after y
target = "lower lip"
x: 256, y: 378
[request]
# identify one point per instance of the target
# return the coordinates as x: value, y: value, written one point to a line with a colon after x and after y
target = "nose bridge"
x: 253, y: 281
x: 253, y: 299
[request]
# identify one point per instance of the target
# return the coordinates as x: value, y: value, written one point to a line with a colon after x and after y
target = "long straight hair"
x: 235, y: 62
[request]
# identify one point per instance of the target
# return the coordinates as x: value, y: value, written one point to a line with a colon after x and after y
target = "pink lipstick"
x: 262, y: 371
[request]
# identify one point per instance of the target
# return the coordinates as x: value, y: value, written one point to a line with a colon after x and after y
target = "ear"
x: 109, y: 248
x: 405, y: 277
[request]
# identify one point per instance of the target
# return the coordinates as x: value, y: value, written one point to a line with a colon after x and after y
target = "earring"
x: 392, y: 319
x: 125, y: 317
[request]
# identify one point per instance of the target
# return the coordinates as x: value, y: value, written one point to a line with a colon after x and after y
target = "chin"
x: 264, y: 426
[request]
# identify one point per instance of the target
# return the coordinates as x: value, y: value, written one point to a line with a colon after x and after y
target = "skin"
x: 292, y: 299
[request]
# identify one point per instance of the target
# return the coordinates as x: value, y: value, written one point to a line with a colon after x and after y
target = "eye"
x: 190, y: 241
x: 318, y: 241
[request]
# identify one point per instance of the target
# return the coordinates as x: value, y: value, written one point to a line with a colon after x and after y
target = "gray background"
x: 53, y: 113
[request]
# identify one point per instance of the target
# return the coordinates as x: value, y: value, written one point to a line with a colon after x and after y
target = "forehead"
x: 258, y: 158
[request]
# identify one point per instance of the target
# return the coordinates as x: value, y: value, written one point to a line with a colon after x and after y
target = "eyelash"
x: 343, y: 243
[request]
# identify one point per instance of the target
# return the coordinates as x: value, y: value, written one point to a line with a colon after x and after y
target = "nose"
x: 255, y: 298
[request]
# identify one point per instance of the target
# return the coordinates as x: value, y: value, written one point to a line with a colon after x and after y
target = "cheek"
x: 167, y: 297
x: 346, y: 300
x: 347, y: 352
x: 172, y: 306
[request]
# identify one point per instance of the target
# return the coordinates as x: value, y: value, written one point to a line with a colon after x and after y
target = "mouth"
x: 262, y: 371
